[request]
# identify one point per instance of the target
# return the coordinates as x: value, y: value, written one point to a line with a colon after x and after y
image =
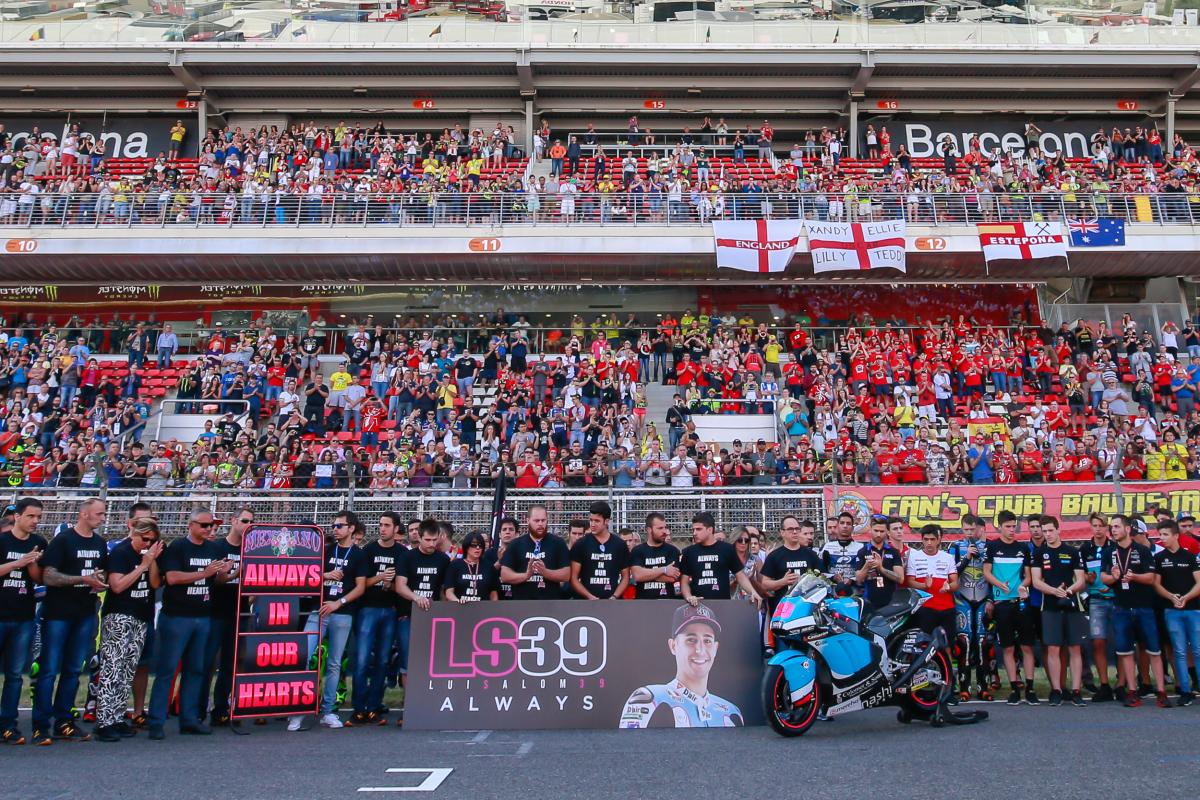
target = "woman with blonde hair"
x: 126, y: 615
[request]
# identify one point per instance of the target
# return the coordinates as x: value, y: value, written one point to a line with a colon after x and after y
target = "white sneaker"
x: 331, y: 721
x: 294, y: 722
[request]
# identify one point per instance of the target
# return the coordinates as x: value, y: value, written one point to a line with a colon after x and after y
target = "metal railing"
x: 489, y: 210
x: 346, y: 30
x: 466, y: 509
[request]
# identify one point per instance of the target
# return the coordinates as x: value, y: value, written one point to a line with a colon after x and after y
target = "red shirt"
x: 1062, y: 469
x: 372, y: 417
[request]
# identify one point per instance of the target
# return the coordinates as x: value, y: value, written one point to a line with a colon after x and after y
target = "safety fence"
x: 760, y: 506
x: 466, y: 509
x: 651, y: 208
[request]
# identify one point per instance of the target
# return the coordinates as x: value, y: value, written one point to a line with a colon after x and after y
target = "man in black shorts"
x: 1006, y: 568
x: 1059, y: 574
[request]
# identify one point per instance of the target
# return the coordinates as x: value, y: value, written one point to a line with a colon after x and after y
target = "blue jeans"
x: 66, y: 647
x: 15, y: 638
x: 1183, y: 626
x: 1132, y: 625
x: 335, y: 629
x: 374, y: 629
x: 180, y: 639
x: 218, y: 661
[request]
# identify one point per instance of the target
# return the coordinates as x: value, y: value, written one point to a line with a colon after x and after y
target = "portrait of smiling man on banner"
x: 685, y: 702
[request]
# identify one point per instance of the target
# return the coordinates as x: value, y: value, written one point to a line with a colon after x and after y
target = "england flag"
x: 756, y: 245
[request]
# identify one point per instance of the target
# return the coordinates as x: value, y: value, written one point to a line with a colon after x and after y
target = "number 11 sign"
x: 280, y: 585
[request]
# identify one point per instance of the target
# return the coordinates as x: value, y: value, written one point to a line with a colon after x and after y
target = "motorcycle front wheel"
x: 785, y: 717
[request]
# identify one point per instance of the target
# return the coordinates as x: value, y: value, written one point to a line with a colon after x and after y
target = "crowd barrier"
x: 760, y: 506
x: 222, y: 209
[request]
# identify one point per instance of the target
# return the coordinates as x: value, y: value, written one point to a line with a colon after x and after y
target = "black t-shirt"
x: 600, y: 565
x: 314, y: 404
x: 781, y: 561
x: 310, y: 345
x: 877, y: 587
x: 554, y: 555
x: 17, y: 601
x: 491, y: 564
x: 1177, y: 572
x: 138, y: 600
x: 1058, y: 565
x: 1135, y: 560
x: 710, y: 569
x: 650, y: 557
x: 376, y: 559
x: 472, y: 583
x: 72, y: 554
x: 225, y: 595
x: 425, y: 574
x: 183, y: 555
x: 350, y: 561
x: 133, y: 479
x: 466, y: 366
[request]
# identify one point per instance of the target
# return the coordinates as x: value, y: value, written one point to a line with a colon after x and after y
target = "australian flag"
x: 1097, y: 232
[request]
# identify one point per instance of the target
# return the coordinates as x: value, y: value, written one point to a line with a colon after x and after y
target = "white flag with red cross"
x: 759, y: 245
x: 839, y: 246
x: 1022, y: 241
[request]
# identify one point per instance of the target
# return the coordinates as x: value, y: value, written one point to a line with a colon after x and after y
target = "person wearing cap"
x: 685, y: 702
x: 190, y: 567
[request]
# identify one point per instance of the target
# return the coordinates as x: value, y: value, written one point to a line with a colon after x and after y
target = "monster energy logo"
x: 130, y: 291
x: 232, y: 289
x: 333, y: 289
x: 45, y: 292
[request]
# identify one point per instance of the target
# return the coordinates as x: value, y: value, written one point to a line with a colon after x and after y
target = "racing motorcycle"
x: 838, y: 655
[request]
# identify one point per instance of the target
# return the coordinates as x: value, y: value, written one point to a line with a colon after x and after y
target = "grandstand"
x: 498, y: 229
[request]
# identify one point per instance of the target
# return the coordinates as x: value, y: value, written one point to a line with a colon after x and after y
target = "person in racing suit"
x: 972, y: 601
x: 841, y: 556
x: 685, y: 702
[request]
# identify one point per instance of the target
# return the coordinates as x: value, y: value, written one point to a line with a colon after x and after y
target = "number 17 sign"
x: 280, y: 585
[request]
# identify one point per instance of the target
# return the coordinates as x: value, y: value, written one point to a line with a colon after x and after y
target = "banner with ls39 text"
x: 576, y: 664
x: 1072, y: 503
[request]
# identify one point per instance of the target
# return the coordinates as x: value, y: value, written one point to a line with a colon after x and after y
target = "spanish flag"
x: 38, y: 35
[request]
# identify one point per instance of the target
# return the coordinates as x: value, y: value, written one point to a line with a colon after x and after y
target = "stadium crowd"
x: 457, y: 405
x: 1035, y: 600
x: 352, y: 174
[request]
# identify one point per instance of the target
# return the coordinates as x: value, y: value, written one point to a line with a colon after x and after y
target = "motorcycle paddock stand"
x: 943, y: 714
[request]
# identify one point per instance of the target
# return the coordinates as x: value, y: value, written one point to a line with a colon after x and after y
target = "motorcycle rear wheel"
x: 785, y: 717
x: 924, y: 701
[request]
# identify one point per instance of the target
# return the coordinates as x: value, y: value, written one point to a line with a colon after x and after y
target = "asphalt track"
x: 1053, y: 753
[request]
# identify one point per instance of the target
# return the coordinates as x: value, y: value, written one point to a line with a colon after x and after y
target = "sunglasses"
x: 743, y: 540
x: 205, y: 524
x: 148, y: 539
x: 246, y: 521
x: 340, y: 525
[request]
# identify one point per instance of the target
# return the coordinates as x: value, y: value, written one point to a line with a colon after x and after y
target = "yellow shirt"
x: 904, y: 416
x: 771, y: 352
x: 446, y: 395
x: 1174, y: 461
x: 338, y: 381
